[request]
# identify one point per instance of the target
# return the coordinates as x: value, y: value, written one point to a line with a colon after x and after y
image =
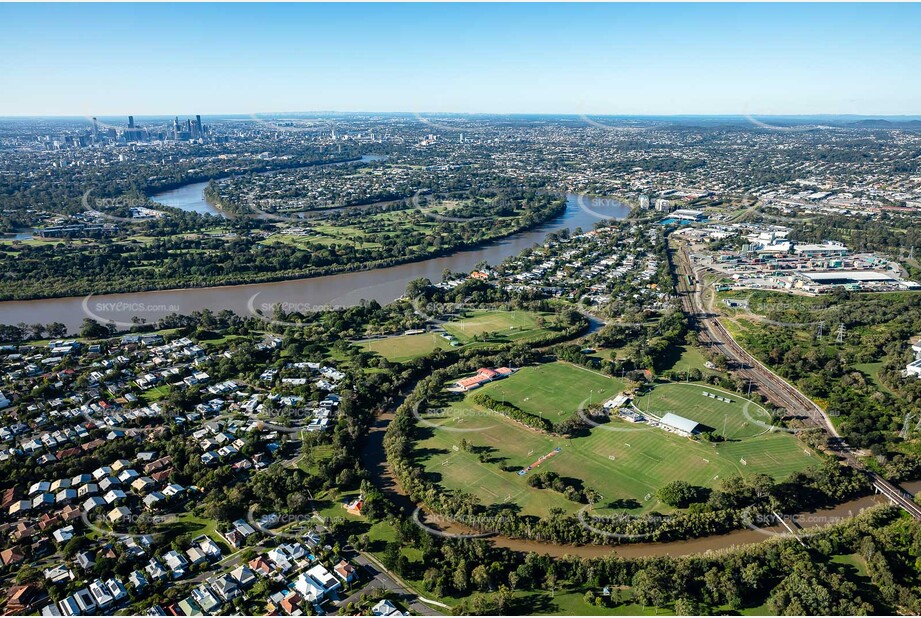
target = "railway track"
x: 774, y: 388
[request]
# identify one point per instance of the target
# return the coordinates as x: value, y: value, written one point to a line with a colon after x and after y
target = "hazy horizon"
x: 424, y: 114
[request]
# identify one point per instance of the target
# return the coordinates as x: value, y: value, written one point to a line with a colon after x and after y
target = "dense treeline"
x: 877, y: 327
x: 779, y: 574
x: 69, y: 268
x: 570, y: 488
x: 513, y: 412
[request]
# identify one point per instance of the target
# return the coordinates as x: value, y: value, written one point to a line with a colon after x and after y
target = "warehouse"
x: 849, y: 277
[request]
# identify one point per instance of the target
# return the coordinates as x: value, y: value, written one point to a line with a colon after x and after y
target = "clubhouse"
x: 483, y: 376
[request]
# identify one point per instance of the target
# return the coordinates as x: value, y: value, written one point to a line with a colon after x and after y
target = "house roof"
x: 11, y: 555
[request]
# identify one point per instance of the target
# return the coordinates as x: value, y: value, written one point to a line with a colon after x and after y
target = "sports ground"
x: 554, y: 391
x: 626, y: 463
x: 497, y: 325
x: 406, y: 347
x: 734, y: 421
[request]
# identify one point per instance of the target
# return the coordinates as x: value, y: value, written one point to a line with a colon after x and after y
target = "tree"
x: 92, y: 329
x: 678, y: 494
x: 650, y: 587
x: 686, y: 607
x: 460, y: 581
x: 57, y: 329
x: 480, y: 577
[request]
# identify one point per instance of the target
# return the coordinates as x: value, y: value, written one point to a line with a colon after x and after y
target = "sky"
x: 642, y: 59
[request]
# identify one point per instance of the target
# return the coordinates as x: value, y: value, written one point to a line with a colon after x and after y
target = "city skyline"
x: 624, y: 59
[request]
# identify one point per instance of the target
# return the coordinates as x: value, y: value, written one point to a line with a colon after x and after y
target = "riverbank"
x: 191, y: 194
x: 121, y: 287
x: 344, y: 289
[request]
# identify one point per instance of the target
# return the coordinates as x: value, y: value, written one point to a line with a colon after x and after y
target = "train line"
x: 774, y: 388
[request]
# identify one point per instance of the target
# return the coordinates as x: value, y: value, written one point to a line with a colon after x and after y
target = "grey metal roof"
x: 679, y: 422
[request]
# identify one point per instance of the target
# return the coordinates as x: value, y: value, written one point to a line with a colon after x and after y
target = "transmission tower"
x: 821, y: 330
x: 840, y: 337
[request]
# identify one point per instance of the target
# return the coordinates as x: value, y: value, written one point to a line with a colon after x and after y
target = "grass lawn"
x: 219, y: 341
x: 554, y: 391
x: 310, y: 461
x: 626, y: 463
x: 688, y: 358
x: 497, y: 325
x: 406, y: 347
x: 733, y: 421
x: 187, y: 523
x: 156, y: 393
x: 871, y: 370
x: 855, y: 563
x: 329, y: 504
x: 571, y: 602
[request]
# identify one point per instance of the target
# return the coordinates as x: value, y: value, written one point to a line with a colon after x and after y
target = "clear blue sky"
x: 113, y: 59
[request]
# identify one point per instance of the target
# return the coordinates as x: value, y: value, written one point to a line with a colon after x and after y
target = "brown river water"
x: 374, y: 460
x: 346, y: 289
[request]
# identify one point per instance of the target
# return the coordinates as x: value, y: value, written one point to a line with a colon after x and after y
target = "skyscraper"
x: 130, y: 122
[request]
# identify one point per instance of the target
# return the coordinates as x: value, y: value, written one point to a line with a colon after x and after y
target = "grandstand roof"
x: 680, y: 423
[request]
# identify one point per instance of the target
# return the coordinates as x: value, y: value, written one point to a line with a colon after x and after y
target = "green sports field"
x: 499, y: 325
x: 736, y: 420
x: 406, y: 347
x: 626, y: 463
x: 554, y: 390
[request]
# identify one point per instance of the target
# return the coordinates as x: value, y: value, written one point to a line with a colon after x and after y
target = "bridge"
x: 896, y: 496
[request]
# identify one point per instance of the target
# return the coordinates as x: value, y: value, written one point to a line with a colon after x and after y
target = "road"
x: 381, y: 578
x: 774, y: 388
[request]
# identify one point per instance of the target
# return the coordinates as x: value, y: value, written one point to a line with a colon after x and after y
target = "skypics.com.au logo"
x: 436, y: 524
x: 116, y: 312
x: 120, y: 203
x: 453, y: 419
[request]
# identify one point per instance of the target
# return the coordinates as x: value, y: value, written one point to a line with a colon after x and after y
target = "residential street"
x: 384, y: 579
